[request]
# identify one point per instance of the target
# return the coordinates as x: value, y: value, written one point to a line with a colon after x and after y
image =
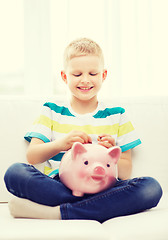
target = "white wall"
x: 132, y: 34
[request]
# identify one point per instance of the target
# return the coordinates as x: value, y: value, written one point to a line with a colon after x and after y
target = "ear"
x: 104, y: 74
x: 115, y: 153
x: 77, y: 148
x: 64, y: 76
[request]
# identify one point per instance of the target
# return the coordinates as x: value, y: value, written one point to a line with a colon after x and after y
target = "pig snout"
x: 99, y: 170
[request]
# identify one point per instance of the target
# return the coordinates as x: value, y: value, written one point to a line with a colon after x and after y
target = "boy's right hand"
x: 74, y: 136
x: 38, y: 152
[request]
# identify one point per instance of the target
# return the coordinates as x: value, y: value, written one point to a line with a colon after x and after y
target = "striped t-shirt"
x: 58, y: 119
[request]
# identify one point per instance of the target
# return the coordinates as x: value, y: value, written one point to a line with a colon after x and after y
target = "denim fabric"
x: 126, y: 197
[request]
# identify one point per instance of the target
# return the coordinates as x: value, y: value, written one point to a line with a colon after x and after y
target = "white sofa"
x: 149, y: 115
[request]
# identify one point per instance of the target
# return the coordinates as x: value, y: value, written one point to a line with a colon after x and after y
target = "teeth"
x: 83, y: 88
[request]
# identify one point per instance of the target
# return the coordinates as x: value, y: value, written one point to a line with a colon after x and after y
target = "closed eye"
x: 77, y: 75
x: 93, y: 74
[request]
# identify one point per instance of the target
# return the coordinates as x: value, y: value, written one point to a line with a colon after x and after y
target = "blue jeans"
x: 126, y: 197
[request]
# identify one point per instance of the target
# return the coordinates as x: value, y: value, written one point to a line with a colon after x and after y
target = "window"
x: 132, y: 34
x: 11, y: 47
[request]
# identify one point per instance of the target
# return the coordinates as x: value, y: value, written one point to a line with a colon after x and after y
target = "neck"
x: 83, y: 107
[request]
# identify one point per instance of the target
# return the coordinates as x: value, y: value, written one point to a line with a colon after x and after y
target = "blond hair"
x: 82, y: 47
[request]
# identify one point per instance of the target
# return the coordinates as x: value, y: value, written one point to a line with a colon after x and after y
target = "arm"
x: 125, y: 165
x: 39, y: 152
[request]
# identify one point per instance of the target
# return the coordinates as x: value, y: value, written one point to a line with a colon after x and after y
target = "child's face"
x: 84, y: 77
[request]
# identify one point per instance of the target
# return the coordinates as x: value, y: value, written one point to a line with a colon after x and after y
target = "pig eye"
x: 108, y: 165
x: 86, y: 162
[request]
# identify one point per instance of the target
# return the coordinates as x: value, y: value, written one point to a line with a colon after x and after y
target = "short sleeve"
x: 127, y: 137
x: 42, y: 126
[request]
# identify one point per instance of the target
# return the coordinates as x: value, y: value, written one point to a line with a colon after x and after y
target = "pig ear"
x: 115, y: 152
x: 77, y: 148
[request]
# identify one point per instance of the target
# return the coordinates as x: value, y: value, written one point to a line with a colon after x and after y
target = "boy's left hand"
x: 106, y: 140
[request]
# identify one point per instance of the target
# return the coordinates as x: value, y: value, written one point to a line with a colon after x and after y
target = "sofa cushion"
x: 148, y: 225
x: 39, y: 229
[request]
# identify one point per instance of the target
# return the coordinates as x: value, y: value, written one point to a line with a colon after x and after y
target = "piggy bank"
x: 89, y: 168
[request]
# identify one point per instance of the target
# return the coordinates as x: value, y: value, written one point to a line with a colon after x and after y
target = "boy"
x: 83, y: 119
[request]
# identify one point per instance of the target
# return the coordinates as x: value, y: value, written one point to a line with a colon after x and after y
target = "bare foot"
x: 24, y: 208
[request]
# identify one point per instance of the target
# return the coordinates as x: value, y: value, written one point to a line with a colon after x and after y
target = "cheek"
x: 70, y: 84
x: 99, y: 83
x: 83, y: 173
x: 111, y: 176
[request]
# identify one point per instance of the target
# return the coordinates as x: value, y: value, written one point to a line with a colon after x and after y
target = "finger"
x: 78, y: 139
x: 89, y: 139
x: 108, y: 139
x: 101, y: 136
x: 105, y: 144
x: 85, y: 137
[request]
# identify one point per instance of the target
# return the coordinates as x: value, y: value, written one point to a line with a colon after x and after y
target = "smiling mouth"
x: 97, y: 178
x: 85, y: 88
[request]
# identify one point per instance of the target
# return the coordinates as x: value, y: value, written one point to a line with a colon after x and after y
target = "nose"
x: 99, y: 170
x: 85, y: 79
